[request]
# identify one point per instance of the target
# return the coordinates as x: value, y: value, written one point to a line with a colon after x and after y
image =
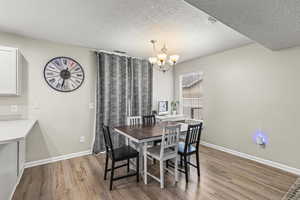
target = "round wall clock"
x: 64, y: 74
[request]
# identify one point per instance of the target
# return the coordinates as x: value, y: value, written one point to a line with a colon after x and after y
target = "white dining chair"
x: 133, y: 121
x: 167, y: 150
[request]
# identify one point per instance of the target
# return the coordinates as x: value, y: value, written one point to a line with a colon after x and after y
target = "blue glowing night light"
x: 260, y: 138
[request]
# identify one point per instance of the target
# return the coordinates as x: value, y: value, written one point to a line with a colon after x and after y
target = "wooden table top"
x: 144, y: 132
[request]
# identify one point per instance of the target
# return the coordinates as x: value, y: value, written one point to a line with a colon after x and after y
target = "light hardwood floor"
x: 223, y: 177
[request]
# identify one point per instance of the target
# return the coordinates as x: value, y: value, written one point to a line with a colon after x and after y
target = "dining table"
x: 143, y: 135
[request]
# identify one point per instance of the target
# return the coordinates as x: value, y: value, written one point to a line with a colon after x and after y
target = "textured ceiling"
x: 273, y: 23
x: 125, y: 25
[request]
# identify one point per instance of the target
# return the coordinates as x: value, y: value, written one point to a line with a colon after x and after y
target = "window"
x: 191, y: 95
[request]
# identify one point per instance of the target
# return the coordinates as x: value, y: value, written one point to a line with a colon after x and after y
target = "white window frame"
x: 180, y: 88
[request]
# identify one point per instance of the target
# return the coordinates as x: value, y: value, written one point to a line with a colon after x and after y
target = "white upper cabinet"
x: 10, y: 71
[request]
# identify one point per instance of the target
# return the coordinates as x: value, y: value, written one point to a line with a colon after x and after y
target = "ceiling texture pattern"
x: 125, y: 25
x: 272, y: 23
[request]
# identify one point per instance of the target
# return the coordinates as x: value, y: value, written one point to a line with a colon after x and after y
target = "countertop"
x: 15, y: 130
x: 167, y: 117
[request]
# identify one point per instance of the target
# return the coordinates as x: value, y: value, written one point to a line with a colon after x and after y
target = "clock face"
x: 63, y: 74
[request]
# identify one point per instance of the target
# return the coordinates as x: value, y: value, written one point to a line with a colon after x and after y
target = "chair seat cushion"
x: 155, y: 151
x: 181, y: 146
x: 125, y: 152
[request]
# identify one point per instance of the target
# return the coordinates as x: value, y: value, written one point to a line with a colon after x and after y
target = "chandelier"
x: 162, y: 61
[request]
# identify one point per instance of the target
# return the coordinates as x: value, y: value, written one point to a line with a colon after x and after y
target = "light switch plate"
x: 35, y: 106
x: 82, y: 139
x: 14, y: 108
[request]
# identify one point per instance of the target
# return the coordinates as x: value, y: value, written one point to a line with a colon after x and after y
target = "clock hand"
x: 63, y: 83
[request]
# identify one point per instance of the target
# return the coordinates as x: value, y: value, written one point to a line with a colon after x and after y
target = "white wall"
x: 163, y: 87
x: 63, y: 117
x: 246, y: 89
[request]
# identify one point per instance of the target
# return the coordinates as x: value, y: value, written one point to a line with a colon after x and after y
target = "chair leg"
x: 186, y: 169
x: 145, y: 168
x: 128, y: 167
x: 112, y: 174
x: 176, y: 169
x: 167, y: 163
x: 106, y: 163
x: 161, y: 164
x: 138, y: 168
x: 198, y: 164
x: 181, y: 164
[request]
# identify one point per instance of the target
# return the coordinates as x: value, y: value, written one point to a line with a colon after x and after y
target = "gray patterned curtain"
x: 124, y: 87
x: 141, y: 87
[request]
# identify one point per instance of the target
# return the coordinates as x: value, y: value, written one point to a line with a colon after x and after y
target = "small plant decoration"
x: 174, y: 106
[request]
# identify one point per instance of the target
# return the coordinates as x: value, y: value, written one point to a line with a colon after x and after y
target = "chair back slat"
x: 193, y: 136
x: 170, y: 139
x: 108, y: 142
x: 134, y: 120
x: 149, y: 120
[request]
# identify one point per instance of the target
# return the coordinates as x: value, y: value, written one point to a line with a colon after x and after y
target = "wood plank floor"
x: 223, y: 177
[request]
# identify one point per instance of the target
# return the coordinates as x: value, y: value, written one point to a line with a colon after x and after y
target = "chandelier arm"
x: 163, y: 68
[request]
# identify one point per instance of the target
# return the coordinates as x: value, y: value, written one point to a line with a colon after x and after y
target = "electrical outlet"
x: 91, y: 105
x: 14, y: 108
x: 82, y: 139
x: 35, y: 106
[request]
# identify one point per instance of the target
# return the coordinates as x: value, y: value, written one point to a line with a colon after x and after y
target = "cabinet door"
x: 8, y: 71
x: 9, y: 169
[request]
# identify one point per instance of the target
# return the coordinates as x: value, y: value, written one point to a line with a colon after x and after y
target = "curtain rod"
x: 115, y: 53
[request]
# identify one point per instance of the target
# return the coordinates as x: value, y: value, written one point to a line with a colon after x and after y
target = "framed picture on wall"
x: 163, y: 107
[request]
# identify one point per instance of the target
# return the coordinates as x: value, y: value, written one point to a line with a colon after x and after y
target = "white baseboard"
x: 254, y: 158
x: 58, y: 158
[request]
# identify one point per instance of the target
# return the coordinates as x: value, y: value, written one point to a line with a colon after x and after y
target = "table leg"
x: 141, y: 154
x: 145, y: 164
x: 140, y: 147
